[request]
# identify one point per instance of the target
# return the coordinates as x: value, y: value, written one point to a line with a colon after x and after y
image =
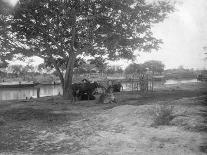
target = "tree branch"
x: 56, y: 66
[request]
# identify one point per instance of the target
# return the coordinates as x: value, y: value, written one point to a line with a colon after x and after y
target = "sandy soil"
x: 54, y: 126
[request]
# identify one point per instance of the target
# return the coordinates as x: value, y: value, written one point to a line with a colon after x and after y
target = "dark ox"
x: 84, y: 91
x: 117, y: 87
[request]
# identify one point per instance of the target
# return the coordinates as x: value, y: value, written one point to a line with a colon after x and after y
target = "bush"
x: 163, y: 114
x: 2, y: 121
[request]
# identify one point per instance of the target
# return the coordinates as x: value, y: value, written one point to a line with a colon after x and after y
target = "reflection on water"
x: 22, y: 93
x: 180, y: 81
x: 157, y: 84
x: 52, y: 90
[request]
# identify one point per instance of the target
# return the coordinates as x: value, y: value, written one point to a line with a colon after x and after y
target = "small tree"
x: 154, y: 66
x: 135, y: 68
x: 17, y: 70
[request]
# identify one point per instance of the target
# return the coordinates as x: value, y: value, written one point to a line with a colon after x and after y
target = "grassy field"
x: 170, y: 120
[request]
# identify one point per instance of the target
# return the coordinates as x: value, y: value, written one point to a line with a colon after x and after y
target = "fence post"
x: 38, y: 92
x: 152, y: 83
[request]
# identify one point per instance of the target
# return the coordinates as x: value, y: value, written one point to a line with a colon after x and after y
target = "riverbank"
x: 51, y: 125
x: 53, y: 90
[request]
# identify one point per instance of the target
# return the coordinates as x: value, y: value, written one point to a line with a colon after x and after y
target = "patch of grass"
x: 45, y: 115
x: 16, y: 138
x: 203, y: 148
x: 21, y: 131
x: 2, y: 121
x: 163, y: 114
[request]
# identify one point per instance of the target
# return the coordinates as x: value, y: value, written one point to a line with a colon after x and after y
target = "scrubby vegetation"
x: 163, y: 114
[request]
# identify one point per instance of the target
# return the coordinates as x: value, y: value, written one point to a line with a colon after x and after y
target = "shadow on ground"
x: 203, y: 147
x: 44, y: 115
x: 23, y: 125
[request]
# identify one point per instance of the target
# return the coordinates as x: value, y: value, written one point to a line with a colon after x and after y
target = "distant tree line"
x: 156, y: 67
x: 181, y: 73
x: 43, y: 71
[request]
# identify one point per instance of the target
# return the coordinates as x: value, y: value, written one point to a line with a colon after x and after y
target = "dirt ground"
x: 52, y: 125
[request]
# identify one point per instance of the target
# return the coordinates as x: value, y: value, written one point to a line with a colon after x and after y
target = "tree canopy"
x: 154, y: 66
x: 114, y: 69
x: 135, y: 68
x: 100, y: 63
x: 3, y: 64
x: 63, y: 29
x: 10, y: 46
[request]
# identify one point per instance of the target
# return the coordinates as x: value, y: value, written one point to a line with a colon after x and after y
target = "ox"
x: 117, y: 87
x: 85, y: 90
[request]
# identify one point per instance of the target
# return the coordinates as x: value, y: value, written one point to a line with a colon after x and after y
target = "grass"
x: 44, y: 115
x: 21, y: 127
x: 163, y: 114
x: 2, y: 121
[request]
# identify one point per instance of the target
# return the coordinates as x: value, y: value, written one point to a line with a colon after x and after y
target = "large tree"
x: 64, y: 29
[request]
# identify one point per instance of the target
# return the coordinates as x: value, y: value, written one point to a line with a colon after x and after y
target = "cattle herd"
x: 85, y: 90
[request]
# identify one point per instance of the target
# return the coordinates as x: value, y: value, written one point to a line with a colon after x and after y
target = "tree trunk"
x: 67, y: 88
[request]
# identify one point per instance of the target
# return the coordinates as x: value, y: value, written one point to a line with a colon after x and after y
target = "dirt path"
x: 54, y: 126
x: 127, y: 130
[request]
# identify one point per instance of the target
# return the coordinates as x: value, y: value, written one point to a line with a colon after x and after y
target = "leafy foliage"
x: 115, y: 28
x: 20, y: 70
x: 3, y: 64
x: 100, y: 63
x: 135, y: 68
x: 10, y: 45
x: 16, y: 69
x: 114, y: 69
x: 154, y: 66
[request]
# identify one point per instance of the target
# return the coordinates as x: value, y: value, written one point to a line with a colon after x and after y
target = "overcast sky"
x: 184, y: 34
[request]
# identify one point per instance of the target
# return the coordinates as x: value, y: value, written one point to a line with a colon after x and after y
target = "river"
x: 52, y: 90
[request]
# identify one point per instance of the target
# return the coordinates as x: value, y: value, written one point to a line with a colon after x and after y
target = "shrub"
x: 2, y: 121
x: 163, y: 114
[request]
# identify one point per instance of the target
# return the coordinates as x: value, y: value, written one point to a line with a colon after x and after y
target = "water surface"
x: 52, y: 90
x: 22, y: 93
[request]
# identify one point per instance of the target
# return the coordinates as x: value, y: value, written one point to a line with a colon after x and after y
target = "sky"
x: 184, y: 34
